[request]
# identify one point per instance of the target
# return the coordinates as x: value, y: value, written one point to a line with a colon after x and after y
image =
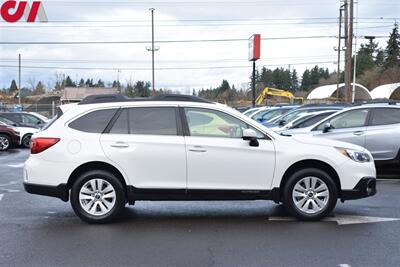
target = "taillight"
x: 40, y: 144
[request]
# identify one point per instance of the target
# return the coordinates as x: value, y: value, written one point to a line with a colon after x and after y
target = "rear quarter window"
x: 93, y: 122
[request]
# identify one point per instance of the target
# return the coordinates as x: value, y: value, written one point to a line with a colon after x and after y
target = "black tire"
x: 289, y: 202
x: 26, y: 141
x: 119, y: 197
x: 5, y: 142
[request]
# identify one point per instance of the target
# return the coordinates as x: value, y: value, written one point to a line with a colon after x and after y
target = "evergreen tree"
x: 393, y: 49
x: 100, y: 83
x: 224, y: 87
x: 306, y: 80
x: 294, y: 81
x: 82, y: 83
x: 142, y: 89
x: 69, y: 82
x: 13, y: 87
x: 39, y: 89
x: 315, y: 75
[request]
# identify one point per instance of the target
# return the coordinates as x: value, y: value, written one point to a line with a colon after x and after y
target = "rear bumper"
x: 61, y: 191
x: 366, y: 187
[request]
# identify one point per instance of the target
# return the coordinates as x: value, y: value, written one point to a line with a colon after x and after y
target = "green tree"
x: 39, y: 89
x: 69, y: 82
x: 294, y: 81
x: 306, y: 80
x: 13, y: 87
x: 81, y: 83
x: 393, y: 49
x: 100, y: 83
x: 224, y: 87
x: 142, y: 89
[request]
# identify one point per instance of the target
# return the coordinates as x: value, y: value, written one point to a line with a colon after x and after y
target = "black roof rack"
x: 110, y: 98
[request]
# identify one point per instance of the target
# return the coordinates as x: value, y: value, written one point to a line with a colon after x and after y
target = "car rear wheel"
x: 97, y: 197
x: 5, y: 142
x: 26, y: 140
x: 310, y: 194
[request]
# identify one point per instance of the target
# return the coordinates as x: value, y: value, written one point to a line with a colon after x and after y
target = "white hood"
x: 306, y: 139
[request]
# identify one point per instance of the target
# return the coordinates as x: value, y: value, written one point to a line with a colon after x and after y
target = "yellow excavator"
x: 277, y: 92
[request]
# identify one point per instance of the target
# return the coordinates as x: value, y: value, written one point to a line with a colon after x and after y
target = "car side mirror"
x: 282, y: 122
x: 327, y: 127
x: 251, y: 135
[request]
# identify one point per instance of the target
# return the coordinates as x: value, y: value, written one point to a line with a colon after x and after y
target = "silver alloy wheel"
x: 4, y: 143
x: 310, y: 195
x: 97, y: 197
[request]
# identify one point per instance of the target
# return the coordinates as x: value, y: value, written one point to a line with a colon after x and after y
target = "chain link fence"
x: 47, y: 110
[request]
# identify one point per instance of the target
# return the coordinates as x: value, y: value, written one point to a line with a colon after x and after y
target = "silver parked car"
x: 373, y: 126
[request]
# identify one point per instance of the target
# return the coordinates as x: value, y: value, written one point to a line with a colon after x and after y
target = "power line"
x: 162, y: 68
x: 214, y: 20
x: 168, y: 41
x: 79, y: 61
x: 160, y: 41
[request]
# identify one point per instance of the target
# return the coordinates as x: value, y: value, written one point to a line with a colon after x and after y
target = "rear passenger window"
x: 384, y: 116
x: 152, y: 120
x: 158, y: 121
x: 93, y: 122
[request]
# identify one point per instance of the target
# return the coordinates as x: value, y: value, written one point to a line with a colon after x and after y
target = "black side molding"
x: 61, y: 191
x: 200, y: 194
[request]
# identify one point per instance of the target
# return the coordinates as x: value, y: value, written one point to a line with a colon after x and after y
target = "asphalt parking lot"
x: 42, y: 231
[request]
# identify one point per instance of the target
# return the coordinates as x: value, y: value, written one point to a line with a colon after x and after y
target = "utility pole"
x: 253, y: 84
x: 348, y: 54
x: 353, y: 93
x: 118, y: 86
x: 339, y: 49
x: 19, y: 79
x: 152, y: 48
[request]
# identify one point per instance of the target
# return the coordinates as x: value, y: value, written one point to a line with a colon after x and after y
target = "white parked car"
x: 110, y: 150
x: 25, y: 131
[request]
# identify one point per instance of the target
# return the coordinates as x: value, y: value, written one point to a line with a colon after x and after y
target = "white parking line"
x: 344, y: 265
x: 10, y: 183
x: 1, y: 196
x: 343, y: 219
x: 19, y: 165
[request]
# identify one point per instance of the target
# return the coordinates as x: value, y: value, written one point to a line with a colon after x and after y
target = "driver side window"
x: 212, y: 123
x: 350, y: 119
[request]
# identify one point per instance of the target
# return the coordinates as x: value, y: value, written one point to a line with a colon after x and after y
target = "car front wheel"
x: 310, y: 194
x: 26, y: 140
x: 97, y: 197
x: 5, y: 142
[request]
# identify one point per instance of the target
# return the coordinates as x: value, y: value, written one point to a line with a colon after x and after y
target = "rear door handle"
x: 197, y: 149
x: 120, y: 145
x: 358, y: 132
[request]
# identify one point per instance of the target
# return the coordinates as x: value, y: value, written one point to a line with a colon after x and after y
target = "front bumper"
x: 61, y: 191
x: 366, y: 187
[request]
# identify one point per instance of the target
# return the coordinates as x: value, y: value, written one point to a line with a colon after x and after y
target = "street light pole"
x: 19, y: 79
x: 152, y: 47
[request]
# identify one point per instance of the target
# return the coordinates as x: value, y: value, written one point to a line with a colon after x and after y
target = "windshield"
x: 270, y: 114
x: 7, y: 121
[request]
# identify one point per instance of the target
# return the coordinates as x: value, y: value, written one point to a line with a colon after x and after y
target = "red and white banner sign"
x: 12, y: 11
x: 254, y: 47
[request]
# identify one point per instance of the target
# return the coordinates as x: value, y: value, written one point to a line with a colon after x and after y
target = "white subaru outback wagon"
x: 110, y: 150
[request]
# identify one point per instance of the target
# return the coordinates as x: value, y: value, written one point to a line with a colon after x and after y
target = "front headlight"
x: 355, y: 155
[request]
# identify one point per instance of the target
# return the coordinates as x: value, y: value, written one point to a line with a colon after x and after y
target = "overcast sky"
x: 182, y: 65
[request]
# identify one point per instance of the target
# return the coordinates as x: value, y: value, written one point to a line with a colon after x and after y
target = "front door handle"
x: 197, y: 149
x: 358, y: 132
x: 120, y: 145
